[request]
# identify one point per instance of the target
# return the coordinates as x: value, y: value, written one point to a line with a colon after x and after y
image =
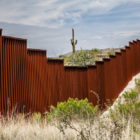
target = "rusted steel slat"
x: 100, y: 82
x: 92, y: 84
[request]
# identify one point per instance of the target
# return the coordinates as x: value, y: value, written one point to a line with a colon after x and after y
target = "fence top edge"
x: 99, y: 62
x: 127, y: 47
x: 117, y: 53
x: 36, y: 50
x: 138, y: 40
x: 130, y: 42
x: 106, y: 59
x: 91, y: 66
x: 134, y: 41
x: 14, y: 38
x: 76, y: 67
x: 55, y: 60
x: 123, y: 50
x: 0, y: 31
x: 112, y: 56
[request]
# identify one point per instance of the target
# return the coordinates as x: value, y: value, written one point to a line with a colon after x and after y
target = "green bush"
x: 126, y: 110
x: 137, y: 82
x: 73, y: 108
x: 82, y: 57
x: 111, y: 53
x: 131, y: 109
x: 130, y: 105
x: 130, y: 96
x: 62, y: 56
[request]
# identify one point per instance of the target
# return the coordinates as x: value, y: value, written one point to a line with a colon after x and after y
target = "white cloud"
x: 53, y: 13
x: 127, y: 34
x: 102, y: 32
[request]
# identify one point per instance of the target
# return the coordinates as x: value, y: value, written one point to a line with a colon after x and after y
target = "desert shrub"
x: 129, y: 107
x: 130, y: 96
x: 137, y: 82
x: 62, y: 56
x: 111, y: 53
x: 73, y: 108
x: 82, y: 57
x: 123, y: 111
x: 73, y: 111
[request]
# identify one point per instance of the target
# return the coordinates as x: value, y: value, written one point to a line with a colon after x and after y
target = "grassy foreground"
x: 78, y: 120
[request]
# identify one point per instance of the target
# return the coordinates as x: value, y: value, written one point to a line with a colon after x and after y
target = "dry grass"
x: 19, y: 128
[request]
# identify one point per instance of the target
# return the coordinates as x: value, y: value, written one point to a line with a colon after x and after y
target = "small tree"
x: 73, y: 42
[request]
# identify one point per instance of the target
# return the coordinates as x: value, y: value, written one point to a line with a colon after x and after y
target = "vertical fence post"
x: 108, y: 79
x: 1, y: 106
x: 138, y: 50
x: 100, y: 83
x: 124, y: 70
x: 128, y: 63
x: 119, y: 72
x: 137, y: 56
x: 92, y: 84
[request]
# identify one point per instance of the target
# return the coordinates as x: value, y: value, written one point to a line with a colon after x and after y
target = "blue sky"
x: 47, y: 24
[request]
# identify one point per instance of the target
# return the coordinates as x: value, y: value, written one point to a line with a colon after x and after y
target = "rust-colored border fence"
x: 30, y: 82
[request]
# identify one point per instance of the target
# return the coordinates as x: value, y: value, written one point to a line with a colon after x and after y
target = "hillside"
x: 87, y: 57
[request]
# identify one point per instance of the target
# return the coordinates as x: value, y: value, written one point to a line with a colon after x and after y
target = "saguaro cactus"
x: 73, y: 42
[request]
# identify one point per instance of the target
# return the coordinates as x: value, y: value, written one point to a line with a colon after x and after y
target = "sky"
x: 47, y: 24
